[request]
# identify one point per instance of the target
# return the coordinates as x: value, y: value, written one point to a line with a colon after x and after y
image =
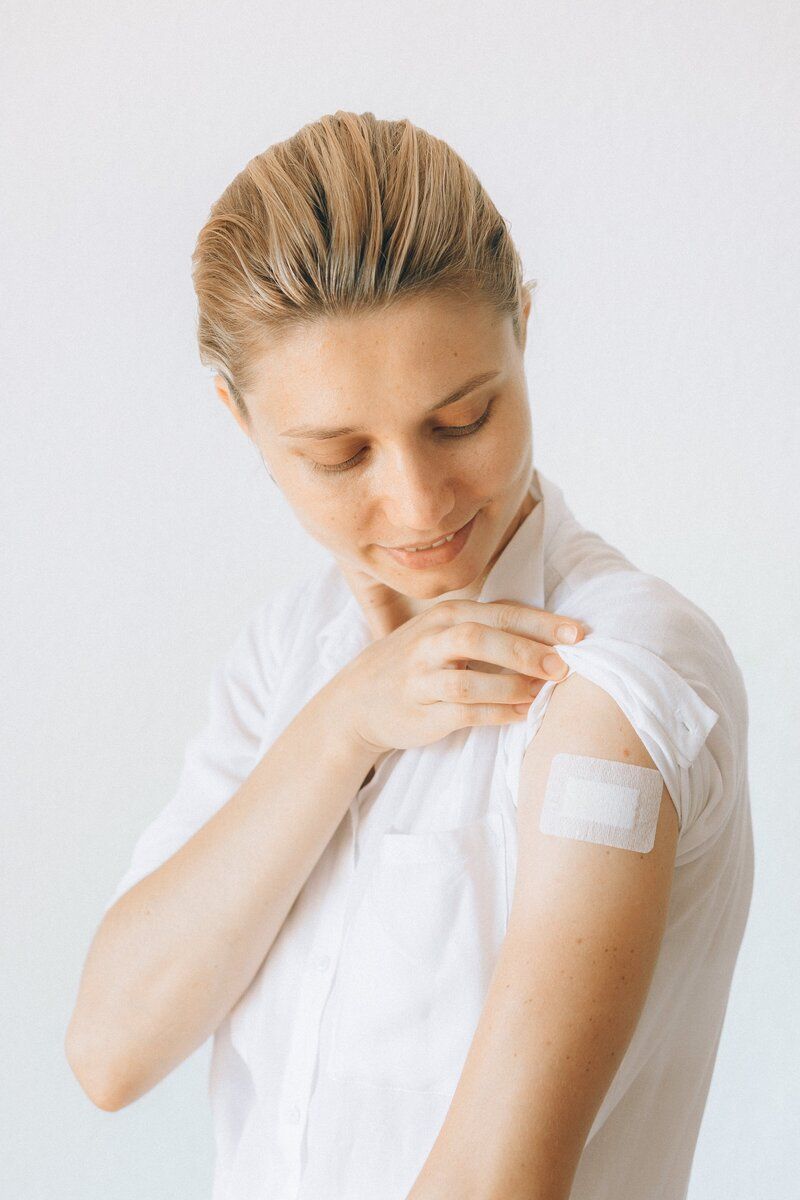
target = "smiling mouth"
x: 440, y: 541
x: 444, y: 551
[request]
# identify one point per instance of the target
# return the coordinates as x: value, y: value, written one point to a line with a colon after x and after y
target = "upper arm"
x: 557, y: 873
x: 586, y: 923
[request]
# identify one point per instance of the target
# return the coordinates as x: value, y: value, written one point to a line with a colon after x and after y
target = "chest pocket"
x: 418, y: 956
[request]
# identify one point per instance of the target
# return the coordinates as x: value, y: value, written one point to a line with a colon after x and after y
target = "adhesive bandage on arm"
x: 599, y: 800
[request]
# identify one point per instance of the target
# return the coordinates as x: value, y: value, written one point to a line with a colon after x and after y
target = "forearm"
x: 175, y: 953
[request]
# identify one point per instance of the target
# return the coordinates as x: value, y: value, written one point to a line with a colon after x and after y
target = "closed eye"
x: 448, y: 431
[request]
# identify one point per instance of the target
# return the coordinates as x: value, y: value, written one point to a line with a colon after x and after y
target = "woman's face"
x: 395, y: 428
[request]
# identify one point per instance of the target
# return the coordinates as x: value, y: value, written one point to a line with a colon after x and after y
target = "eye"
x: 464, y: 430
x: 334, y: 470
x: 448, y: 431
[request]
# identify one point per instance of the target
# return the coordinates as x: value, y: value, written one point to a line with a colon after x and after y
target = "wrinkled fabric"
x: 332, y: 1075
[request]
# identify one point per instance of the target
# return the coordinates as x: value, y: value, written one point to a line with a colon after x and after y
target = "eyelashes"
x: 451, y: 431
x: 465, y: 430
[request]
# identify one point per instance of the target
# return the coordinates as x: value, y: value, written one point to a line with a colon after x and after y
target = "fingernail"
x: 566, y: 633
x: 554, y: 665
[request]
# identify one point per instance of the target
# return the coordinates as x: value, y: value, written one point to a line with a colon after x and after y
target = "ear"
x: 222, y: 391
x: 525, y: 312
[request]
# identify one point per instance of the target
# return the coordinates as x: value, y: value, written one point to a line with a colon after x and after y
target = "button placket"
x: 313, y: 993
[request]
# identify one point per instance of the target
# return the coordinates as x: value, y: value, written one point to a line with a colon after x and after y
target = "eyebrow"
x: 310, y: 431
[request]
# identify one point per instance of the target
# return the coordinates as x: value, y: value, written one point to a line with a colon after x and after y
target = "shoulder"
x: 640, y: 609
x: 664, y: 646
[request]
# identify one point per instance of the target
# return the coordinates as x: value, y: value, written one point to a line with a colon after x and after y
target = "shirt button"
x: 323, y: 962
x: 293, y: 1115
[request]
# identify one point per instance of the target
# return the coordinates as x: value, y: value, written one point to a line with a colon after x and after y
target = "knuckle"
x: 427, y: 648
x: 471, y: 636
x: 509, y: 618
x: 463, y: 685
x: 446, y: 610
x: 520, y: 652
x: 455, y: 686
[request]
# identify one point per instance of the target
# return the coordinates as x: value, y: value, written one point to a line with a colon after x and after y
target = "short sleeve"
x: 220, y: 756
x: 673, y: 698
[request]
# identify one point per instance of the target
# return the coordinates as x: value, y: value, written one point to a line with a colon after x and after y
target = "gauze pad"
x: 597, y: 800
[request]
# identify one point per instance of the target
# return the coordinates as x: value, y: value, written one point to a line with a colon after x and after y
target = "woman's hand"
x: 407, y: 689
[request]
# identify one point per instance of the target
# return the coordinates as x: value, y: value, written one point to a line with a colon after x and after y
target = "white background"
x: 646, y: 156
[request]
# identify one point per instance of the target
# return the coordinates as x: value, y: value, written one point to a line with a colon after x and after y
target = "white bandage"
x: 597, y: 800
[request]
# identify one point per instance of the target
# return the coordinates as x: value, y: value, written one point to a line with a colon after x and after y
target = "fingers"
x: 487, y: 644
x: 514, y: 617
x: 537, y: 623
x: 480, y: 687
x: 462, y: 715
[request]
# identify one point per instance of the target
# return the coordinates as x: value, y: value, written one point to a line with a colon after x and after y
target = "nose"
x: 417, y: 503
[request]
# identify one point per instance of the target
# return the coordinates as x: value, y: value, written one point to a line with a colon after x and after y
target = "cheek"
x: 314, y: 512
x: 503, y: 449
x: 334, y: 524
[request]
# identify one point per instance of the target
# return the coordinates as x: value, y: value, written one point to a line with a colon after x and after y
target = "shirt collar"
x: 517, y: 574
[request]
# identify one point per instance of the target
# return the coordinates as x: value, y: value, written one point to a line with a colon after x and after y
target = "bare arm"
x: 174, y: 954
x: 570, y: 982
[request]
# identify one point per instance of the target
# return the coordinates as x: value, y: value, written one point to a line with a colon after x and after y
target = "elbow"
x: 98, y: 1081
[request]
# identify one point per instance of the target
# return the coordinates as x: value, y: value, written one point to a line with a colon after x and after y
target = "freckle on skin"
x: 627, y: 753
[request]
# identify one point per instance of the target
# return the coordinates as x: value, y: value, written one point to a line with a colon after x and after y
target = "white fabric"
x: 332, y: 1075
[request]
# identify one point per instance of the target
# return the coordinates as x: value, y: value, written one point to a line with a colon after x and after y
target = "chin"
x: 429, y: 588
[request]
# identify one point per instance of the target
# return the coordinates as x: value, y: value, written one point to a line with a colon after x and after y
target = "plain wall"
x: 646, y: 156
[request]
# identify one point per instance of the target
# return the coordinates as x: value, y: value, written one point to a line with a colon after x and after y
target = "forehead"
x: 401, y: 358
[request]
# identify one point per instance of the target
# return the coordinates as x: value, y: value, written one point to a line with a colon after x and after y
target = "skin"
x: 413, y: 480
x: 570, y: 982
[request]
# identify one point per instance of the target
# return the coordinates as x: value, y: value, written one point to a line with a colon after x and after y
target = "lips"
x: 428, y: 545
x: 437, y: 555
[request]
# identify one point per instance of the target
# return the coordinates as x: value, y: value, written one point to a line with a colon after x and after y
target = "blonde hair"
x: 349, y: 214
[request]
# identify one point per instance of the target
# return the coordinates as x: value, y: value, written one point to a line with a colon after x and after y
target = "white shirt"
x: 332, y: 1075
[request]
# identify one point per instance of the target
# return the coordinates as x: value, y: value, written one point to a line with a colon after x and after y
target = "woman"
x: 458, y: 897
